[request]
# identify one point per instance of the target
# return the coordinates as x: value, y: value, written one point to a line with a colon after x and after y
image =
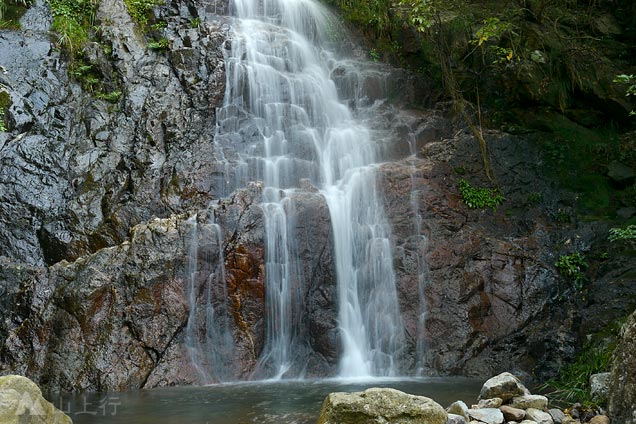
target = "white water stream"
x: 283, y: 115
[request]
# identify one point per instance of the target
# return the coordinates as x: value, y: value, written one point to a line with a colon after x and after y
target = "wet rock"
x: 487, y: 415
x: 622, y: 396
x: 504, y: 386
x: 512, y: 414
x: 530, y: 401
x: 21, y: 402
x: 380, y: 405
x: 538, y: 416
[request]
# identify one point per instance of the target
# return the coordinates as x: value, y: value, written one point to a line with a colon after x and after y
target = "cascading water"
x: 211, y: 352
x: 282, y: 115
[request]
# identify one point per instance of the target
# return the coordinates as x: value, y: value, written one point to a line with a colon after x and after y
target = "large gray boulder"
x: 380, y: 405
x: 21, y: 402
x: 504, y: 386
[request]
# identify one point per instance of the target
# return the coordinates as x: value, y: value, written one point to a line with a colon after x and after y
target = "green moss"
x: 140, y: 10
x: 73, y: 20
x: 5, y: 103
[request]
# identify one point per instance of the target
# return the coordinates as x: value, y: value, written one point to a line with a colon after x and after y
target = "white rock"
x: 504, y: 386
x: 487, y: 415
x: 458, y: 408
x: 490, y: 403
x: 538, y: 416
x: 456, y: 419
x: 530, y: 401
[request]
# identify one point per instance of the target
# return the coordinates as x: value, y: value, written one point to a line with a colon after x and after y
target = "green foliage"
x: 159, y: 45
x: 374, y: 54
x: 572, y: 385
x: 623, y: 234
x: 630, y: 80
x: 140, y: 9
x: 11, y: 11
x: 479, y: 198
x: 491, y: 30
x: 5, y: 103
x: 73, y: 20
x: 195, y: 23
x: 572, y: 267
x: 112, y: 97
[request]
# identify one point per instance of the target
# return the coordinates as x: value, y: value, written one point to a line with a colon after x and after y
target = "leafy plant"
x: 3, y: 128
x: 572, y: 267
x: 478, y: 198
x: 374, y: 54
x: 623, y: 234
x: 195, y: 23
x: 630, y: 80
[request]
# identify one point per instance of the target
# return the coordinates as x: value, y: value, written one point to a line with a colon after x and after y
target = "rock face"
x: 375, y: 406
x: 21, y: 402
x: 622, y: 397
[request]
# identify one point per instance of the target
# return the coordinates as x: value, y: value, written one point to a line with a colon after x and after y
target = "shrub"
x: 478, y: 198
x: 623, y: 234
x: 572, y: 266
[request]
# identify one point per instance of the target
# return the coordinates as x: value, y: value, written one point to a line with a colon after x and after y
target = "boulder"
x: 21, y: 402
x: 599, y: 386
x: 487, y: 415
x: 380, y: 405
x: 459, y: 408
x: 557, y: 415
x: 512, y: 414
x: 456, y: 419
x: 504, y: 386
x: 620, y: 173
x: 490, y: 403
x: 538, y: 416
x: 599, y: 419
x: 530, y: 401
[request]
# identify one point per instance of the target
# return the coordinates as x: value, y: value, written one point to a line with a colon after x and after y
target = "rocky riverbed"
x: 503, y: 399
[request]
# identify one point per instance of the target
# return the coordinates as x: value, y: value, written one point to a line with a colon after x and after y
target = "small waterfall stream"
x: 286, y: 126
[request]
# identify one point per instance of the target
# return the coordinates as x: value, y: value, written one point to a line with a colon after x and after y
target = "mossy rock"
x: 380, y: 405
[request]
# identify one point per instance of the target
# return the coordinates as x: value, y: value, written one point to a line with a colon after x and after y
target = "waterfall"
x: 285, y: 124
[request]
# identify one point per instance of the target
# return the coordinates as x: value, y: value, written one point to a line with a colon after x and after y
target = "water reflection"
x: 290, y: 402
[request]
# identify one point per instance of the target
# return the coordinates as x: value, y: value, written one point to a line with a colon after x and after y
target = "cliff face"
x: 99, y: 203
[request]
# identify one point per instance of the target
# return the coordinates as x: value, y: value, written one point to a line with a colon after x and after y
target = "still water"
x: 242, y: 403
